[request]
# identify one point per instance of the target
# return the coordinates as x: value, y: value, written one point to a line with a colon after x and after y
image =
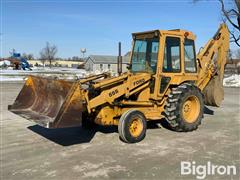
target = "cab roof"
x: 173, y: 32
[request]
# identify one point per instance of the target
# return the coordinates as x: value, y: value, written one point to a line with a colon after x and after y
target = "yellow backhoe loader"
x: 166, y: 79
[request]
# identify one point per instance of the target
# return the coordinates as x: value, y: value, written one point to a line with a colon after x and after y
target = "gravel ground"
x: 31, y: 152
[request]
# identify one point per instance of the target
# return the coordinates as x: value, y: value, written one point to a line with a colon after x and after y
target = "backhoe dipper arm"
x: 212, y: 58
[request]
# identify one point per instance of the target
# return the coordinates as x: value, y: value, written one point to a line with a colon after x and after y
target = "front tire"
x: 184, y: 108
x: 132, y: 126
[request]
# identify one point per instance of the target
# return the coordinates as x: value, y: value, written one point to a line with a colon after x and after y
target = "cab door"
x: 170, y: 64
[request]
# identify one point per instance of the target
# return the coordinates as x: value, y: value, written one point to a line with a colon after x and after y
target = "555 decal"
x: 112, y: 93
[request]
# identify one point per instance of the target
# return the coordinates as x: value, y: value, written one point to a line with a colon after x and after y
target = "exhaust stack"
x: 119, y: 63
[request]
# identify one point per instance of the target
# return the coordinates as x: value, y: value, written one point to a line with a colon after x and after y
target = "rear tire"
x: 184, y: 108
x: 132, y: 126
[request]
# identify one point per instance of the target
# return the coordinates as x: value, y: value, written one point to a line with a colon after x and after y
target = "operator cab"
x: 168, y: 55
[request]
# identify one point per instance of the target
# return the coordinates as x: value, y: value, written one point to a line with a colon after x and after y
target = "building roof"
x: 233, y: 61
x: 103, y: 59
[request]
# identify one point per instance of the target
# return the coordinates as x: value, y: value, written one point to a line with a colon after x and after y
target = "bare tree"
x: 28, y: 56
x: 48, y: 53
x: 232, y: 16
x: 24, y: 55
x: 230, y: 55
x: 43, y: 58
x: 76, y: 58
x: 12, y: 52
x: 238, y: 54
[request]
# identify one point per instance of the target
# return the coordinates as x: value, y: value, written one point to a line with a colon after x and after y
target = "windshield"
x: 144, y: 56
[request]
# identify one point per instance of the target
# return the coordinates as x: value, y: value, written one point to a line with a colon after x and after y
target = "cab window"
x: 171, y: 62
x: 145, y: 54
x: 189, y: 56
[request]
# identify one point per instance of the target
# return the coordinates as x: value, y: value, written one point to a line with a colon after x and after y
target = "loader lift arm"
x: 128, y: 85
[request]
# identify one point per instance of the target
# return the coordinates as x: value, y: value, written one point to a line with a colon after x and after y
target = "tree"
x: 230, y: 54
x: 24, y: 55
x: 43, y: 57
x: 12, y: 52
x: 28, y: 56
x: 232, y: 17
x: 75, y: 58
x: 238, y: 54
x: 48, y: 53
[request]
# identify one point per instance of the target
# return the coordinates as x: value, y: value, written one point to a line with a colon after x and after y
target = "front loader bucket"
x: 49, y: 102
x: 213, y: 92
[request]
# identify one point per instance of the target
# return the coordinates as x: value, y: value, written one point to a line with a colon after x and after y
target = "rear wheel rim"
x: 136, y: 127
x: 191, y: 109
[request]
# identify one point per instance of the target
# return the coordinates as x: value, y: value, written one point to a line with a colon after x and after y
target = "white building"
x: 103, y: 63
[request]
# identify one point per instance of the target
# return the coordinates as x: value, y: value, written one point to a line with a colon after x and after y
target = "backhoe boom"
x: 212, y: 59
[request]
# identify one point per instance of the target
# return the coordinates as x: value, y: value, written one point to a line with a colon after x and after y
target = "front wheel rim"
x: 136, y: 127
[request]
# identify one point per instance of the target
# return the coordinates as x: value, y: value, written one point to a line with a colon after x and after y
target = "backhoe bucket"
x: 49, y: 102
x: 213, y: 92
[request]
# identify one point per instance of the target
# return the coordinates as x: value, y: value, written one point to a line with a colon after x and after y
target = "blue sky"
x: 97, y: 25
